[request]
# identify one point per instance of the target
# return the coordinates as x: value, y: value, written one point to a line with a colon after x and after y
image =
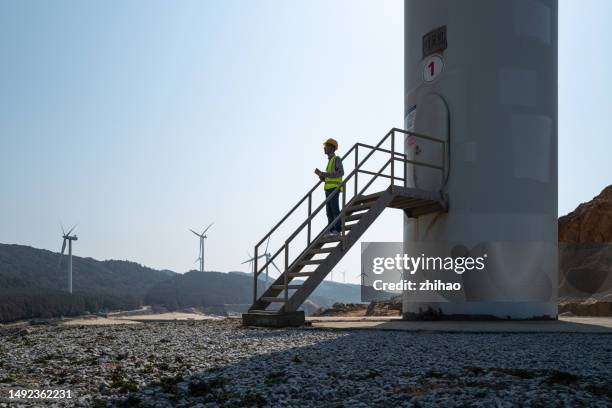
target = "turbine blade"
x: 274, y: 265
x: 247, y: 261
x: 207, y: 228
x: 261, y: 256
x: 194, y: 232
x: 63, y: 231
x: 61, y: 255
x: 72, y: 229
x: 267, y: 243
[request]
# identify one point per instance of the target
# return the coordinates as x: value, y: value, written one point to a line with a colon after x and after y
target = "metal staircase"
x: 360, y: 207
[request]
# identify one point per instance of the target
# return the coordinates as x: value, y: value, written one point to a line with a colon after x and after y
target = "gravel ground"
x: 220, y: 363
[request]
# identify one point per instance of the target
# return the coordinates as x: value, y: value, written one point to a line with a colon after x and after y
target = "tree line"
x: 33, y: 303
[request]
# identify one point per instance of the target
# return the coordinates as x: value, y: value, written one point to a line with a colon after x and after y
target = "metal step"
x: 356, y: 217
x: 329, y: 238
x: 299, y: 274
x: 312, y: 262
x: 321, y: 250
x: 273, y: 299
x: 282, y: 287
x: 358, y: 207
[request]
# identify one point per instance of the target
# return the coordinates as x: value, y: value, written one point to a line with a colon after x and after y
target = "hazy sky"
x: 140, y: 119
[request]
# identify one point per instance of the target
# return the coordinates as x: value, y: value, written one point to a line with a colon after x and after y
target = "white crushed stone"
x: 220, y: 363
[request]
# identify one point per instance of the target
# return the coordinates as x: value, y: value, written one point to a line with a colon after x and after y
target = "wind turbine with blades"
x: 69, y: 238
x: 202, y: 237
x: 266, y: 255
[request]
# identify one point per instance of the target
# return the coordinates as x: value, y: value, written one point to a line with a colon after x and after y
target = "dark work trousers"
x: 333, y: 209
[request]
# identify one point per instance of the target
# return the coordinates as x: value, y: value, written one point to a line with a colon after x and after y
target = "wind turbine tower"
x: 202, y: 237
x: 68, y: 238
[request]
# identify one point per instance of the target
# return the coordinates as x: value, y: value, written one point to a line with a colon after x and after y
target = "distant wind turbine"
x: 266, y: 255
x: 69, y: 238
x: 362, y: 275
x: 202, y: 237
x: 251, y: 260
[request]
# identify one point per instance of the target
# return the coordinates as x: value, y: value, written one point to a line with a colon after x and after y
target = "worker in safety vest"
x: 332, y: 176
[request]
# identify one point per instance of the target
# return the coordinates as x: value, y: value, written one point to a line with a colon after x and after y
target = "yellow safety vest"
x: 332, y: 182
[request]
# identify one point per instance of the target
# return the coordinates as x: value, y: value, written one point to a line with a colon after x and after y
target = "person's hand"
x: 321, y: 177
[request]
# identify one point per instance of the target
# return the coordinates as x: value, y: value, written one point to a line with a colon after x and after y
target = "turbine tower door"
x: 432, y: 120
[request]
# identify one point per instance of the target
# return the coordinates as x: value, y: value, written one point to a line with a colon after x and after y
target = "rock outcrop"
x: 391, y: 307
x: 342, y: 309
x: 590, y: 222
x: 585, y: 258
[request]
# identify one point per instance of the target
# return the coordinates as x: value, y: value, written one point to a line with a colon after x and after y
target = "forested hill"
x: 27, y: 267
x: 31, y: 285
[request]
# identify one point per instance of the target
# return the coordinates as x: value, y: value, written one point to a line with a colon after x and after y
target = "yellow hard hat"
x: 331, y: 142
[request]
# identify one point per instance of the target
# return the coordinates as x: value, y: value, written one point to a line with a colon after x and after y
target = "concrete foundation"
x: 592, y: 325
x: 471, y: 311
x: 262, y: 319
